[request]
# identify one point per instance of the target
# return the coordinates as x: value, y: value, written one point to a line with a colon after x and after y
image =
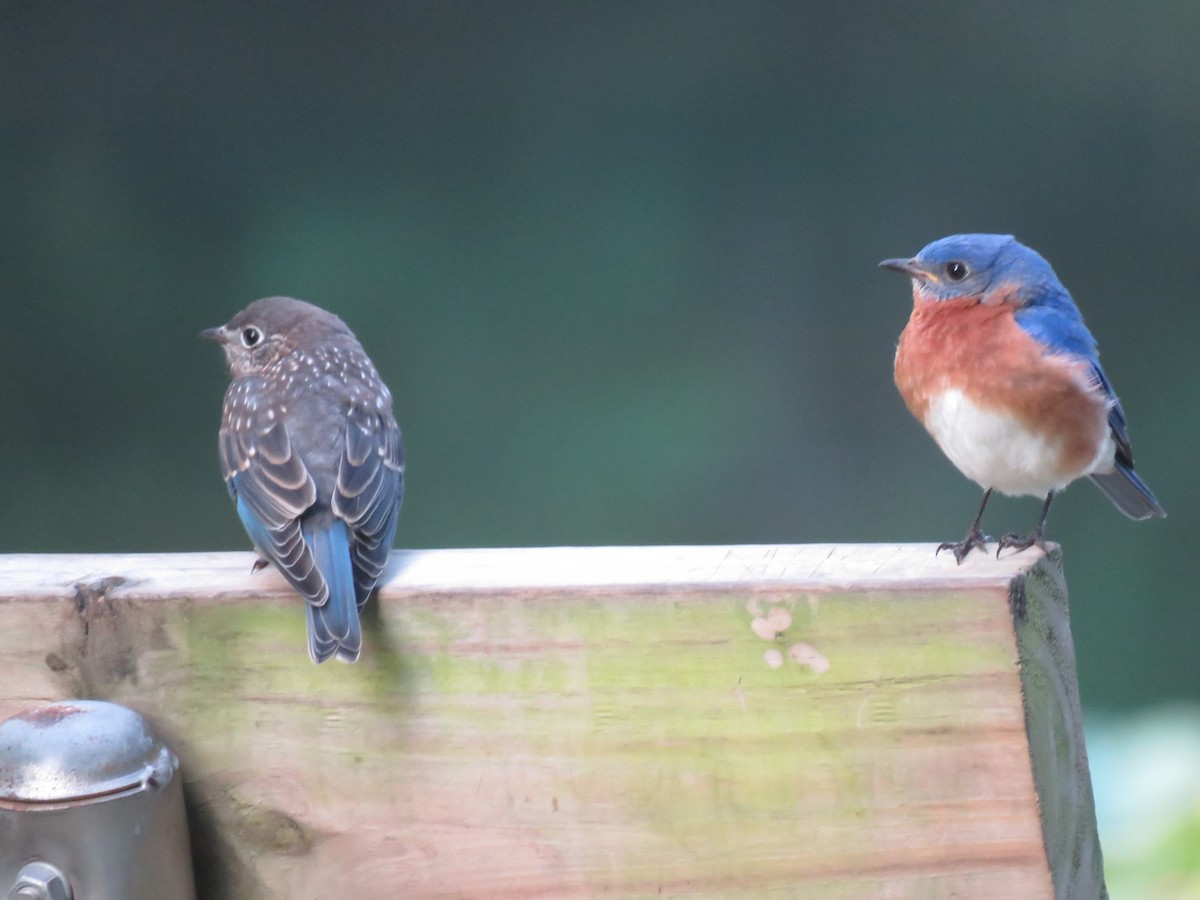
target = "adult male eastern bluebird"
x: 312, y: 458
x: 998, y: 366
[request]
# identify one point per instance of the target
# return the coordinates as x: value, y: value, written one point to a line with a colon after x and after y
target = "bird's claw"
x: 259, y: 565
x: 1020, y: 542
x: 966, y: 545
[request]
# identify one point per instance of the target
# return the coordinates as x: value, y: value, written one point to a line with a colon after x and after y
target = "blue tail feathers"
x: 1129, y: 493
x: 333, y: 627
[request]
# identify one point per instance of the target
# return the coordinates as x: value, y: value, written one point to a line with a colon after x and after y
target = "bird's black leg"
x: 975, y: 537
x: 1035, y: 538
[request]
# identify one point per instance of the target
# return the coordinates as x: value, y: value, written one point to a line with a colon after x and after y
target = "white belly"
x: 995, y: 450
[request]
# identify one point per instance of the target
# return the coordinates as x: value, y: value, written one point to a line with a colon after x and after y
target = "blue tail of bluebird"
x: 333, y: 627
x: 1129, y: 493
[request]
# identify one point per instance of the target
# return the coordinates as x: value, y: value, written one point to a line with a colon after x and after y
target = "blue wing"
x: 272, y: 490
x: 368, y: 492
x: 1056, y: 323
x: 1059, y: 327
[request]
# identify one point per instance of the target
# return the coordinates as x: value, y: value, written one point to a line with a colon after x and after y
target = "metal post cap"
x: 77, y: 750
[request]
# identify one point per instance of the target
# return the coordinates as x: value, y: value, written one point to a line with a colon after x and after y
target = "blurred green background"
x: 616, y: 261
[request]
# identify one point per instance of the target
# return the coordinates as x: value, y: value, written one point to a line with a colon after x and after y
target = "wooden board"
x: 822, y: 721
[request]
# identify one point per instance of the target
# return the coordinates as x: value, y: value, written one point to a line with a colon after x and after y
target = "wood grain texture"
x: 822, y: 721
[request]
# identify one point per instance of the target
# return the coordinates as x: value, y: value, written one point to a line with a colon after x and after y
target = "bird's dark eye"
x: 251, y: 336
x: 955, y: 270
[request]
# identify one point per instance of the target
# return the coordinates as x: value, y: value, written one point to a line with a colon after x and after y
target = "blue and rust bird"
x: 998, y: 365
x: 312, y: 458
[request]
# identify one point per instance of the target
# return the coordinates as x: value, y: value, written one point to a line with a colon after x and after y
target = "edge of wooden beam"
x: 813, y: 567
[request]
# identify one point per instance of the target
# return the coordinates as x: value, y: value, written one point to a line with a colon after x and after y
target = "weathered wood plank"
x: 819, y: 721
x: 774, y: 567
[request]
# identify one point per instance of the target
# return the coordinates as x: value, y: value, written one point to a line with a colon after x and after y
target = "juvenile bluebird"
x: 998, y: 366
x: 312, y: 458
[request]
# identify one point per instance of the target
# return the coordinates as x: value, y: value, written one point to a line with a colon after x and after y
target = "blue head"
x: 984, y: 267
x: 994, y: 269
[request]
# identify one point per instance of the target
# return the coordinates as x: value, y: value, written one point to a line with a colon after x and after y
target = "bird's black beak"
x: 216, y: 335
x: 909, y: 267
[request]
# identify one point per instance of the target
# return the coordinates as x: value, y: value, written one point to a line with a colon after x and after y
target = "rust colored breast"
x: 980, y: 350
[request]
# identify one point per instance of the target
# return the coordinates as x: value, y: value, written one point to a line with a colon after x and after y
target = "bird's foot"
x: 259, y: 565
x: 975, y: 538
x: 1020, y: 542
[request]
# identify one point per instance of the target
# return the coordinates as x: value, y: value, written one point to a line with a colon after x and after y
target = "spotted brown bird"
x: 312, y: 457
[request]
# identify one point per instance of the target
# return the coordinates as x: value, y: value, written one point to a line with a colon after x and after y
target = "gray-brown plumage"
x: 313, y: 459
